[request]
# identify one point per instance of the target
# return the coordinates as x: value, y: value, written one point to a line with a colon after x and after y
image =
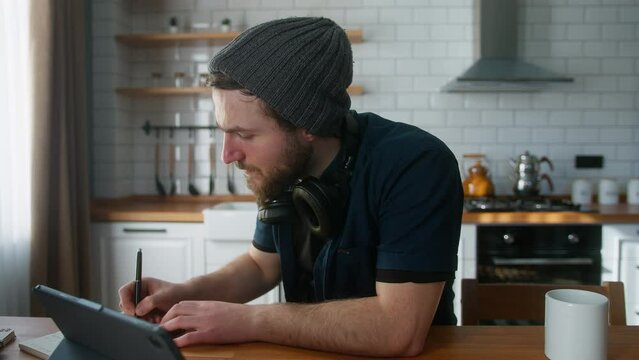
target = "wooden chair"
x: 506, y: 301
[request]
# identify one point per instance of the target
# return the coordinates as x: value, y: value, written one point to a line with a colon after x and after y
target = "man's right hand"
x: 158, y: 296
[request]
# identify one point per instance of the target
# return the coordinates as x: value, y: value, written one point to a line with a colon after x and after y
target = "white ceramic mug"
x: 633, y: 192
x: 581, y: 192
x: 608, y: 192
x: 576, y: 325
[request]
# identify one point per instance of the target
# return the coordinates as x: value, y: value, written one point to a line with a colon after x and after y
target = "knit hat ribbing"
x: 301, y: 67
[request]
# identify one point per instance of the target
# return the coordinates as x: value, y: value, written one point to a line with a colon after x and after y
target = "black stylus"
x: 138, y: 278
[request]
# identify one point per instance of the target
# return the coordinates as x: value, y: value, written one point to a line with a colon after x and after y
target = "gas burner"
x: 501, y: 204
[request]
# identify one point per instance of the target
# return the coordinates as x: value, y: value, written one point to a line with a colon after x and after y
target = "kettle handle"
x: 545, y: 159
x: 547, y: 178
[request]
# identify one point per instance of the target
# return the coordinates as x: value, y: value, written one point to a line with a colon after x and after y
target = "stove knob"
x: 509, y: 238
x: 573, y: 238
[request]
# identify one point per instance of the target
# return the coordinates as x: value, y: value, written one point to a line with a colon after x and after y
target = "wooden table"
x: 444, y: 342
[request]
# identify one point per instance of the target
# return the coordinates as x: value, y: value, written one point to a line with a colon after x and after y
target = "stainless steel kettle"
x: 527, y: 177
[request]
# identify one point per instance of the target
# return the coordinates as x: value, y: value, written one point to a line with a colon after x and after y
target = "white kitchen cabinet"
x: 220, y: 250
x: 229, y: 229
x: 467, y: 263
x: 620, y: 262
x: 171, y: 251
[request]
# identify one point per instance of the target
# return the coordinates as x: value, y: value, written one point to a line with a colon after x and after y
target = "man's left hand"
x: 208, y: 322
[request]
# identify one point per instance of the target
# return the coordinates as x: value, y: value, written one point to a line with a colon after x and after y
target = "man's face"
x: 271, y: 157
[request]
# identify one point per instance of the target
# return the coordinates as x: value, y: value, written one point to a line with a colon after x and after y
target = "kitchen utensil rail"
x: 147, y: 127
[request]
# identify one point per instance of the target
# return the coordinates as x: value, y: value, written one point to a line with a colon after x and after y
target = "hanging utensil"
x: 230, y: 178
x: 192, y: 189
x: 158, y: 184
x: 212, y: 168
x: 173, y: 187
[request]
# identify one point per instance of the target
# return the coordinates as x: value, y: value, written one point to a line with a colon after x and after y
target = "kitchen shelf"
x: 148, y: 128
x: 172, y: 91
x: 197, y: 38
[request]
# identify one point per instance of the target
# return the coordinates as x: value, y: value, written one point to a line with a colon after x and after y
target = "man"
x: 359, y: 215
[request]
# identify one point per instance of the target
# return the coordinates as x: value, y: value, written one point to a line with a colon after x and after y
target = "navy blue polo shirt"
x: 402, y: 222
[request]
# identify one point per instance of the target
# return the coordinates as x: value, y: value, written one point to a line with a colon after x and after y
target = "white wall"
x: 411, y: 48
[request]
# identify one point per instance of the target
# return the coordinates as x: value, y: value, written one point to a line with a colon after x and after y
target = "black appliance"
x: 554, y: 254
x: 502, y: 204
x: 561, y: 254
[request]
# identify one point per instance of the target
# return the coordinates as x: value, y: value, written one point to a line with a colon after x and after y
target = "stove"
x: 503, y: 204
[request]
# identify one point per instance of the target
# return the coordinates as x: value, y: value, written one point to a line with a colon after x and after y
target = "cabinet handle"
x: 153, y: 231
x: 541, y: 261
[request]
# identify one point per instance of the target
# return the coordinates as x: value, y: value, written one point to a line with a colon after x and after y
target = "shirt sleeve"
x: 263, y: 237
x: 420, y: 217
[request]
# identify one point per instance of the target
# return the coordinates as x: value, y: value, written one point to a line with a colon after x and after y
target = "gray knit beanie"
x: 301, y: 67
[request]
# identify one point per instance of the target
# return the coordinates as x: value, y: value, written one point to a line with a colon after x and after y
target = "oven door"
x: 539, y: 254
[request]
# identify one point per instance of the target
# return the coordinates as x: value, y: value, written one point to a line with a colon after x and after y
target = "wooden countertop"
x: 180, y: 208
x: 184, y: 208
x: 595, y: 214
x: 444, y: 342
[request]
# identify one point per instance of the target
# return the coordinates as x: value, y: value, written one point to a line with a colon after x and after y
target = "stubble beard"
x: 295, y: 157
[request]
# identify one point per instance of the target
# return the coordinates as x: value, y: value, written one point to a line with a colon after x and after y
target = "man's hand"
x: 209, y: 322
x: 157, y: 298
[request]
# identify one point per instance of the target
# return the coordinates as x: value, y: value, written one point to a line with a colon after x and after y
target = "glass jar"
x: 203, y: 80
x: 156, y: 79
x: 608, y: 191
x: 179, y: 79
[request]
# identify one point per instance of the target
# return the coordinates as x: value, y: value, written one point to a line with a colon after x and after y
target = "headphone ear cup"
x: 318, y: 206
x: 277, y: 211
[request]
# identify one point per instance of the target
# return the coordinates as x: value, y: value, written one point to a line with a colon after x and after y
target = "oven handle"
x: 542, y: 261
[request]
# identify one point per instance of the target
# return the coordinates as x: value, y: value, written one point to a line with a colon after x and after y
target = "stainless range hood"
x: 497, y: 68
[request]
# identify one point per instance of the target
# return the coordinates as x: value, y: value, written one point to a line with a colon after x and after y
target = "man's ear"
x: 307, y: 135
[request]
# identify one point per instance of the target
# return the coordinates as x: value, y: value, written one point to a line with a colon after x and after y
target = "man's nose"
x: 230, y: 151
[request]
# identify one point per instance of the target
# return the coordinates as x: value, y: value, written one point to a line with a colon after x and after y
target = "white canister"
x: 608, y: 192
x: 581, y: 192
x: 633, y: 192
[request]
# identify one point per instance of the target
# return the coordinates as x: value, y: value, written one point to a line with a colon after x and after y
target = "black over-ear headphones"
x: 321, y: 204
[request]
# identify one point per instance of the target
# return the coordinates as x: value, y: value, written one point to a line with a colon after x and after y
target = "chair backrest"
x: 507, y: 301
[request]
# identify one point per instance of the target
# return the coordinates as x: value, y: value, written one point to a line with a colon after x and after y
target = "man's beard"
x: 295, y: 158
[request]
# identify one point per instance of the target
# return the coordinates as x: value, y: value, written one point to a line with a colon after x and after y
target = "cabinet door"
x: 220, y: 251
x: 169, y: 253
x: 467, y: 263
x: 620, y: 262
x: 629, y: 275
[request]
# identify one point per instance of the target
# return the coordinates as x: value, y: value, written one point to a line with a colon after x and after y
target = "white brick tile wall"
x: 629, y: 83
x: 457, y: 118
x: 430, y: 83
x: 619, y: 66
x: 480, y: 101
x: 581, y: 66
x: 618, y: 32
x: 629, y: 48
x: 513, y: 135
x: 600, y: 49
x: 596, y: 118
x: 618, y: 101
x: 618, y: 135
x: 497, y: 118
x: 411, y: 49
x: 548, y: 135
x: 628, y: 118
x: 531, y: 118
x: 565, y: 118
x: 514, y: 101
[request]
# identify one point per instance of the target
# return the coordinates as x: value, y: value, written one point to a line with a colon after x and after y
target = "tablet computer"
x: 92, y: 331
